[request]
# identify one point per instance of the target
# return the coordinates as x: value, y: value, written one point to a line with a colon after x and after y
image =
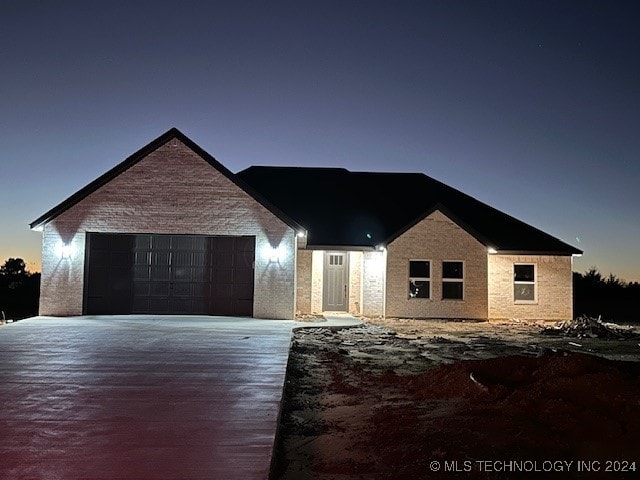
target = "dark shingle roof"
x: 342, y: 208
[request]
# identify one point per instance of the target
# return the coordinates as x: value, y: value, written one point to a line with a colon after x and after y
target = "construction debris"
x: 589, y: 327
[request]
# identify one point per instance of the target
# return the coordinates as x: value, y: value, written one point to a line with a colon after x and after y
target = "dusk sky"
x: 530, y: 106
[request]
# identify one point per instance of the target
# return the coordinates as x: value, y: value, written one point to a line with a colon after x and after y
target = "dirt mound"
x: 564, y: 402
x: 528, y: 377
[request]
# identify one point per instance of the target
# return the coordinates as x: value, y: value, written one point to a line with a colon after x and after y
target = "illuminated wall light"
x: 273, y: 254
x: 65, y: 251
x: 302, y: 234
x: 492, y: 250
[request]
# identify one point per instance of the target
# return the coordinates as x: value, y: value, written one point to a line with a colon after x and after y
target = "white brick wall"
x: 373, y: 287
x: 171, y: 191
x: 355, y: 282
x: 554, y: 288
x: 317, y: 280
x: 436, y: 238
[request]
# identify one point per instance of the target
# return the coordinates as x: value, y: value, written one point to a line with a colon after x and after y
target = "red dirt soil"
x: 564, y: 406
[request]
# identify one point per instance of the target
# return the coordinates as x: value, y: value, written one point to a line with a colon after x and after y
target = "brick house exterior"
x: 170, y: 230
x: 169, y: 188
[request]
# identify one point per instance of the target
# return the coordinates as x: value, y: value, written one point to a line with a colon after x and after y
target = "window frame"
x: 422, y: 279
x: 534, y: 283
x: 453, y: 280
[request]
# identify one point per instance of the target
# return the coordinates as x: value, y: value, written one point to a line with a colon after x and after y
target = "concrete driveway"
x: 140, y: 397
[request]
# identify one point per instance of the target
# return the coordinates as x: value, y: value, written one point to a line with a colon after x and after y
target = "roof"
x: 341, y: 208
x: 142, y: 153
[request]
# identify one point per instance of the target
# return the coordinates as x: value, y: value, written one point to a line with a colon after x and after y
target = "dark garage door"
x: 171, y: 274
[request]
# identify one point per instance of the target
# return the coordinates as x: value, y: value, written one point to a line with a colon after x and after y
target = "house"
x: 170, y: 230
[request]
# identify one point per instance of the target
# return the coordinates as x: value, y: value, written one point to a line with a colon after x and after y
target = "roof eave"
x: 548, y: 253
x: 341, y: 247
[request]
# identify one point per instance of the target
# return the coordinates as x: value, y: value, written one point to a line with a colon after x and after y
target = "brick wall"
x: 373, y: 278
x: 554, y: 287
x: 171, y: 191
x: 355, y: 282
x: 303, y: 278
x: 317, y: 280
x: 436, y: 238
x: 310, y: 281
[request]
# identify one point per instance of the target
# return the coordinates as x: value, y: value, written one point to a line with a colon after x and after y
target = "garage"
x: 169, y: 274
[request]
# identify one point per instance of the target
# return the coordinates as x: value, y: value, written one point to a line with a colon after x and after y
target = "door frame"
x: 325, y: 280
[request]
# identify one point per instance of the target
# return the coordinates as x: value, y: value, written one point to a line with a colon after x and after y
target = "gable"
x: 439, y: 232
x: 165, y: 162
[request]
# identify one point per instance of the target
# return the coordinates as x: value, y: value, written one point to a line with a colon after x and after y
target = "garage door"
x: 169, y: 274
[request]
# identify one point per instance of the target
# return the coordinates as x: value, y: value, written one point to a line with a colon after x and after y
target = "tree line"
x: 609, y: 297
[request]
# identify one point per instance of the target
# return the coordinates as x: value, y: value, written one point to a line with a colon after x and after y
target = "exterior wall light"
x: 273, y: 254
x: 492, y: 250
x: 65, y: 251
x: 302, y: 234
x: 380, y: 248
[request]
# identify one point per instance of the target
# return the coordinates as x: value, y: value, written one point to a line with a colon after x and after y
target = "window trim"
x: 423, y: 279
x: 534, y: 283
x: 453, y: 280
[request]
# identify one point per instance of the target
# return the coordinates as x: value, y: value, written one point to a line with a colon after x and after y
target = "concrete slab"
x: 340, y: 320
x: 140, y: 397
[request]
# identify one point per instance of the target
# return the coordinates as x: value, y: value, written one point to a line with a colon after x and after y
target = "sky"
x: 530, y: 106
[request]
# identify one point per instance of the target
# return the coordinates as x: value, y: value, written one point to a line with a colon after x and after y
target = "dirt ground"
x: 411, y: 399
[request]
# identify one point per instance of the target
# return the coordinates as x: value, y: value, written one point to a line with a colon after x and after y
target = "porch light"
x: 492, y: 250
x: 380, y: 248
x: 302, y: 234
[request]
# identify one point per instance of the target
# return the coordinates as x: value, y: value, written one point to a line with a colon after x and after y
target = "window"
x: 335, y: 259
x: 452, y: 280
x: 419, y: 279
x: 524, y: 283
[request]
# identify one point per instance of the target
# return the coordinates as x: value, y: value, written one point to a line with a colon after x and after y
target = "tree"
x: 19, y: 289
x: 609, y: 297
x: 14, y: 272
x: 14, y: 267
